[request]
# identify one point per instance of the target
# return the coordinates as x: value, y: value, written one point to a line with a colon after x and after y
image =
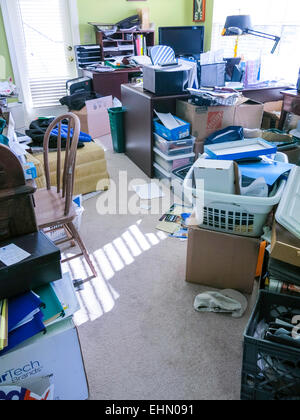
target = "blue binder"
x: 25, y: 332
x: 20, y: 307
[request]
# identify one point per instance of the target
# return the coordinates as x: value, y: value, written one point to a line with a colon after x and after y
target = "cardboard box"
x: 249, y: 114
x: 285, y: 246
x: 55, y: 354
x: 94, y: 117
x: 221, y: 261
x: 207, y: 120
x: 218, y: 176
x: 271, y: 116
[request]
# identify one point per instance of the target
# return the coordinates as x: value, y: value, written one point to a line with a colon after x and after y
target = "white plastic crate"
x: 233, y: 214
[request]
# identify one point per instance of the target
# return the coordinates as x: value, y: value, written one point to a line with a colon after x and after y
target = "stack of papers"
x: 12, y: 254
x: 225, y: 97
x: 29, y: 314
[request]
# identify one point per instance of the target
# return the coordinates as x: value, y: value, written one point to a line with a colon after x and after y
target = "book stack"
x: 140, y: 45
x: 29, y: 314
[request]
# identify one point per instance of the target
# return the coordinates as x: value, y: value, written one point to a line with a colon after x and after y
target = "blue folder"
x: 25, y: 332
x: 20, y: 307
x: 270, y: 170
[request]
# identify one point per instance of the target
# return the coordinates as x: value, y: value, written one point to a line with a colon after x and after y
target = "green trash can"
x: 116, y: 117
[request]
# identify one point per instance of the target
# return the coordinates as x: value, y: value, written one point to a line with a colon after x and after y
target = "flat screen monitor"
x: 185, y: 40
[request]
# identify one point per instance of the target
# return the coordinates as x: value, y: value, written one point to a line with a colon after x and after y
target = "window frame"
x: 22, y: 85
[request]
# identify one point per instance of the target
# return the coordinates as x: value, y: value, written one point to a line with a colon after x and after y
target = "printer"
x: 166, y: 80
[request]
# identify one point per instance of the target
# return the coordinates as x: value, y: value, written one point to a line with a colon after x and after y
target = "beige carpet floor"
x: 140, y: 336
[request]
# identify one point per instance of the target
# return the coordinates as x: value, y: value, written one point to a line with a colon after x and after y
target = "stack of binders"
x: 31, y: 313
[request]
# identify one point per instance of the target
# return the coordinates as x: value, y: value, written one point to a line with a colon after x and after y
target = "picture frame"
x: 199, y: 10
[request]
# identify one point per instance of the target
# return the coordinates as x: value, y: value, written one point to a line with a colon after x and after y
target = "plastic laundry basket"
x: 233, y: 214
x: 116, y: 117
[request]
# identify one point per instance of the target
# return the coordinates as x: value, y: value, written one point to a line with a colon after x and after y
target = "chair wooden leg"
x: 82, y: 247
x: 72, y: 242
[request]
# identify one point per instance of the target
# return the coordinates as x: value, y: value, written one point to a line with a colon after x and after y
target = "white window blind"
x: 274, y: 17
x: 44, y: 48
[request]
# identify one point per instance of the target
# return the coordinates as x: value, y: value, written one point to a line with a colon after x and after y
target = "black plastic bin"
x: 116, y: 117
x: 271, y: 371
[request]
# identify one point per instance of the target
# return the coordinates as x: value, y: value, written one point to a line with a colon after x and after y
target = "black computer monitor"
x: 185, y: 40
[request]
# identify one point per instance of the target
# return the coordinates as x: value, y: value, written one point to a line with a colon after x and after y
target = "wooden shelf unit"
x: 116, y: 44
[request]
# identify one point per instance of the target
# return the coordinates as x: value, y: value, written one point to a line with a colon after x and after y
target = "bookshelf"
x: 125, y: 43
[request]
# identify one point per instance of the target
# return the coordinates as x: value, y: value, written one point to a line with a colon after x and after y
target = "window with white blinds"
x: 44, y: 47
x: 274, y: 17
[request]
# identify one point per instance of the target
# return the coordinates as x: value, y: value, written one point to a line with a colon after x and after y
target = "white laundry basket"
x: 233, y: 214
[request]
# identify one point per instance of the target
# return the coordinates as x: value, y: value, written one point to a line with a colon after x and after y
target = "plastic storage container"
x: 177, y: 147
x: 289, y: 208
x: 233, y: 214
x: 271, y: 371
x: 177, y: 133
x: 170, y: 163
x: 116, y: 117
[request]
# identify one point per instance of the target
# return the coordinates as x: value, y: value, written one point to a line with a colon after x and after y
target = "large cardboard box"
x: 285, y: 246
x: 207, y: 120
x: 56, y: 355
x: 94, y: 118
x: 221, y: 261
x: 249, y: 114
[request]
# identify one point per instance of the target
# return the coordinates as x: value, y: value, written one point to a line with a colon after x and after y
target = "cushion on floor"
x: 90, y: 173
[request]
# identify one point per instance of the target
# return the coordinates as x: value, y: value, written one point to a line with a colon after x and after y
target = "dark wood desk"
x: 291, y: 104
x: 109, y: 83
x: 140, y: 106
x: 265, y: 94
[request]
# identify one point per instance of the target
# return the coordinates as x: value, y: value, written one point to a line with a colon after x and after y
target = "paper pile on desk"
x: 225, y: 97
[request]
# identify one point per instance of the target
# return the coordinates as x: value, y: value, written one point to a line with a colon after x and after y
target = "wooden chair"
x: 54, y: 206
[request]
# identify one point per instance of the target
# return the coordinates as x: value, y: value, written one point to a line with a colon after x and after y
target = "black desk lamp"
x: 241, y: 25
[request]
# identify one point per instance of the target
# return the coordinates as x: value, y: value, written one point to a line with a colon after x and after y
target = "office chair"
x: 161, y: 54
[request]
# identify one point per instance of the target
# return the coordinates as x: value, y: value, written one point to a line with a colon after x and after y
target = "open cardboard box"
x: 94, y: 118
x: 285, y: 246
x: 207, y: 120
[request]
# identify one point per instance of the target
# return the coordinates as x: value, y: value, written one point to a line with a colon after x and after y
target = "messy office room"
x: 149, y: 202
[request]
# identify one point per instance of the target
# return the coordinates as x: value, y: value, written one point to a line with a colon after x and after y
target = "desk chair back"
x: 66, y: 186
x: 161, y: 54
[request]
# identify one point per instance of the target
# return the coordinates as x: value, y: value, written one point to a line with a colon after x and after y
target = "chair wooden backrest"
x: 67, y: 185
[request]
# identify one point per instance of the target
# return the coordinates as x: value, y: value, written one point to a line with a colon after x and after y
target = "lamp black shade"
x: 237, y: 25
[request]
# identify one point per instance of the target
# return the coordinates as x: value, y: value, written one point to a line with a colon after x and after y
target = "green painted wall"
x: 5, y: 62
x: 162, y: 13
